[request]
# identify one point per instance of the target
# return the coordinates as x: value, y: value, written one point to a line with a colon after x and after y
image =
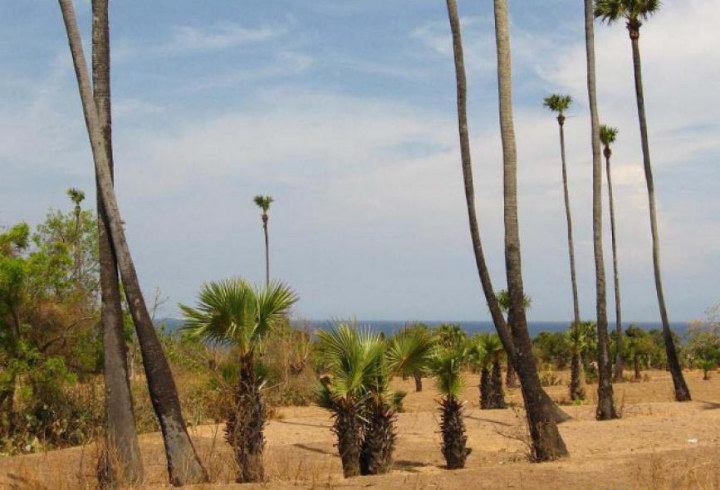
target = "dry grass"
x: 658, y: 444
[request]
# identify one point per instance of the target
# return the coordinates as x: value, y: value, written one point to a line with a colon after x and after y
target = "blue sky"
x: 344, y: 111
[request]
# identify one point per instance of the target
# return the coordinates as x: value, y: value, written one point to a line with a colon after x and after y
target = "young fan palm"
x: 635, y: 12
x: 480, y: 359
x: 487, y: 352
x: 233, y: 312
x: 560, y: 104
x: 264, y: 202
x: 408, y: 353
x: 607, y: 137
x: 578, y: 344
x: 352, y: 359
x: 446, y: 364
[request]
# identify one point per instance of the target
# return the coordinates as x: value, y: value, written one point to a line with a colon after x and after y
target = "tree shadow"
x: 324, y: 426
x: 409, y: 466
x: 480, y: 419
x: 314, y: 449
x: 709, y: 405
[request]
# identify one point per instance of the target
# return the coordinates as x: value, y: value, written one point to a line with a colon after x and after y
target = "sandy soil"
x: 657, y: 444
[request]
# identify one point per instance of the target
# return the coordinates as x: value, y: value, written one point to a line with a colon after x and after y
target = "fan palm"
x: 635, y: 12
x: 559, y: 104
x: 353, y: 359
x: 408, y: 352
x: 446, y: 364
x: 234, y: 313
x: 607, y: 138
x: 264, y: 202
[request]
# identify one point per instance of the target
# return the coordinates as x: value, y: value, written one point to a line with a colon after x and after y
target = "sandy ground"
x: 657, y: 444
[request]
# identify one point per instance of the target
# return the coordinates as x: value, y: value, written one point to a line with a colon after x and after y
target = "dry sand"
x: 657, y: 444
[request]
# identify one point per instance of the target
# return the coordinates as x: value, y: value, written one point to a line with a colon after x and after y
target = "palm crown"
x: 447, y: 363
x: 557, y: 103
x: 607, y: 135
x: 263, y: 202
x: 633, y: 11
x: 408, y: 352
x: 234, y: 312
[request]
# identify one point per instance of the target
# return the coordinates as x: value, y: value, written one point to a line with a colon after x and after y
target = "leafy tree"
x: 450, y: 334
x: 234, y: 313
x: 634, y: 13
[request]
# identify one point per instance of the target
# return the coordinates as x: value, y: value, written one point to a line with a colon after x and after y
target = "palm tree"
x: 352, y: 358
x: 481, y: 360
x: 184, y: 467
x: 264, y: 202
x: 560, y: 104
x: 234, y: 313
x: 466, y: 159
x: 446, y: 365
x: 607, y: 137
x: 121, y: 463
x: 635, y: 12
x: 503, y: 298
x: 487, y: 351
x: 409, y: 351
x: 77, y: 197
x: 547, y: 444
x: 578, y: 343
x: 606, y: 405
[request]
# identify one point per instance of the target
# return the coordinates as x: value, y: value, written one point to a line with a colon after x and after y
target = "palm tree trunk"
x: 606, y: 404
x: 510, y: 375
x: 245, y: 425
x: 348, y: 428
x: 682, y: 393
x: 485, y: 389
x: 183, y: 464
x: 571, y: 245
x: 267, y: 250
x: 577, y: 381
x: 497, y: 392
x: 121, y: 463
x: 618, y: 375
x: 376, y: 456
x: 418, y: 382
x: 453, y: 433
x: 547, y: 443
x: 466, y: 158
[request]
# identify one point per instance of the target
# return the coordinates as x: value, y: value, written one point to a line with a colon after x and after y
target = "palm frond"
x: 608, y: 135
x: 446, y: 363
x: 263, y: 202
x: 409, y: 351
x: 557, y: 103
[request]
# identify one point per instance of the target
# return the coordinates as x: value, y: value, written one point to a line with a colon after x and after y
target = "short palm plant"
x: 486, y: 351
x: 354, y: 361
x: 446, y: 364
x: 234, y: 313
x: 408, y: 352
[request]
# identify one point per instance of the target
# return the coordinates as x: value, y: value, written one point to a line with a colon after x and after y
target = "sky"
x: 344, y: 112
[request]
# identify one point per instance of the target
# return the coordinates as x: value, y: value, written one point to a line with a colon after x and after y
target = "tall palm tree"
x: 559, y: 104
x: 466, y: 159
x: 184, y: 466
x: 264, y: 202
x: 352, y: 358
x: 547, y: 444
x: 233, y: 313
x: 77, y: 197
x: 607, y: 137
x: 409, y: 351
x: 446, y: 365
x: 635, y: 12
x: 606, y: 404
x: 121, y: 463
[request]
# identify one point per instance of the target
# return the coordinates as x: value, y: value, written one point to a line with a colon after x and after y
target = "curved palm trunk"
x: 682, y: 393
x: 183, y: 464
x: 418, y: 382
x: 618, y: 374
x: 454, y: 439
x: 466, y: 158
x: 547, y: 444
x: 245, y: 425
x: 606, y: 404
x: 571, y: 244
x: 121, y: 464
